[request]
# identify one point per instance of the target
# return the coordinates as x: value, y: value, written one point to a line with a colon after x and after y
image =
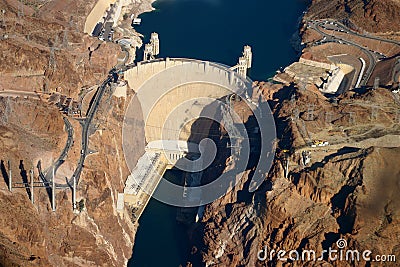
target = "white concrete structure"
x: 152, y: 49
x: 155, y: 42
x: 113, y: 8
x: 245, y: 62
x: 242, y: 67
x: 160, y: 156
x: 317, y: 64
x: 148, y: 52
x: 214, y: 81
x: 313, y: 72
x: 137, y: 21
x: 248, y: 54
x: 120, y: 202
x: 117, y: 14
x: 333, y: 83
x: 364, y: 65
x: 189, y: 86
x: 97, y: 13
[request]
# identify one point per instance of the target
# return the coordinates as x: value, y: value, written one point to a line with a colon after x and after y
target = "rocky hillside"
x: 29, y: 32
x: 31, y: 129
x: 348, y: 190
x: 378, y: 16
x: 97, y: 235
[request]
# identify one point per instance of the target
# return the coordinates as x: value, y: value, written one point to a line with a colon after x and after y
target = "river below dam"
x: 214, y: 30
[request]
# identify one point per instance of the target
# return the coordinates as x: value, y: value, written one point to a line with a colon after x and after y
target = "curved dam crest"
x: 197, y: 85
x: 214, y: 31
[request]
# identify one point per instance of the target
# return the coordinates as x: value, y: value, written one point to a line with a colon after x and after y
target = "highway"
x: 23, y: 94
x: 70, y: 141
x: 367, y: 36
x: 84, y: 143
x: 86, y: 122
x: 373, y: 57
x: 68, y: 145
x: 85, y: 131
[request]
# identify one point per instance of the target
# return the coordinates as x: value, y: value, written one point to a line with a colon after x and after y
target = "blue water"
x: 217, y: 30
x: 160, y: 240
x: 214, y: 30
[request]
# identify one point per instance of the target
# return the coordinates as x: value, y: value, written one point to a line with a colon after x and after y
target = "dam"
x: 169, y: 112
x: 209, y: 40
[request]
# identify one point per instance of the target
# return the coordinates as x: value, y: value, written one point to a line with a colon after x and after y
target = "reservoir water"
x: 214, y: 30
x: 217, y: 30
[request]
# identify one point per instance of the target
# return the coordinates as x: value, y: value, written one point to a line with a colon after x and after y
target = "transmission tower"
x: 52, y: 62
x: 293, y: 98
x: 65, y: 38
x: 72, y: 25
x: 310, y: 112
x: 328, y: 117
x: 376, y: 83
x: 9, y: 175
x: 53, y: 191
x: 351, y: 118
x: 398, y: 117
x: 32, y: 185
x: 3, y: 23
x: 296, y: 114
x: 7, y: 112
x: 374, y: 113
x: 52, y: 59
x: 46, y: 85
x: 302, y: 86
x: 20, y: 11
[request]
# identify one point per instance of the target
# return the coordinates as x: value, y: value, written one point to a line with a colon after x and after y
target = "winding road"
x: 85, y: 138
x: 52, y: 169
x: 330, y: 25
x: 85, y: 130
x: 373, y: 58
x: 86, y: 122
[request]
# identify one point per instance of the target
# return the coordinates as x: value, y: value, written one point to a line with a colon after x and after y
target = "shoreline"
x: 120, y: 13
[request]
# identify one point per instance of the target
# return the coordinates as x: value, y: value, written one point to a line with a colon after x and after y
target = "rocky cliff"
x: 46, y: 50
x: 97, y: 235
x: 32, y: 129
x: 348, y: 190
